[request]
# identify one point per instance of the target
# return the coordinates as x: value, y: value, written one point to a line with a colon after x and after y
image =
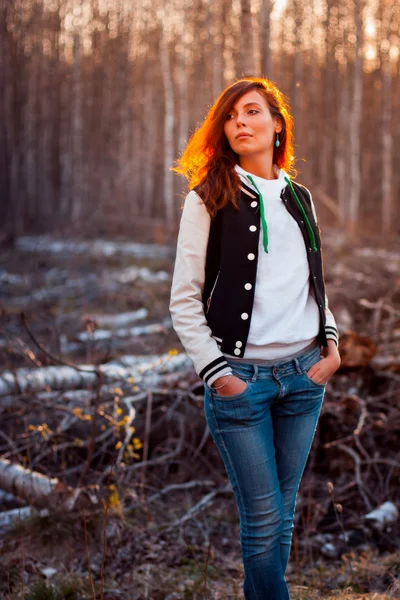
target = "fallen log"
x: 41, y: 491
x: 148, y: 370
x: 99, y: 247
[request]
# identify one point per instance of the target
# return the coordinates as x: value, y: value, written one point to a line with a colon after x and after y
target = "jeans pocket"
x: 229, y: 397
x: 312, y: 380
x: 309, y: 362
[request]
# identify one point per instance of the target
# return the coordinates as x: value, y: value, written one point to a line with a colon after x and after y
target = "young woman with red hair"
x: 248, y: 303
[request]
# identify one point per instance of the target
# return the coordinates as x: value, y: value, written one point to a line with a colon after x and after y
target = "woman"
x: 249, y: 305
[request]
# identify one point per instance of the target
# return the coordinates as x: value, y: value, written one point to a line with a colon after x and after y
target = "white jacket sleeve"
x: 186, y: 305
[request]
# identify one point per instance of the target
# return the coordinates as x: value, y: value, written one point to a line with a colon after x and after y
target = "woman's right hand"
x: 233, y: 387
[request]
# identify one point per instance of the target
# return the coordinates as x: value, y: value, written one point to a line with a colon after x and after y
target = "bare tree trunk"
x: 77, y: 134
x: 218, y: 12
x: 387, y: 132
x: 328, y: 129
x: 355, y: 130
x: 151, y: 146
x: 247, y: 43
x: 387, y: 150
x: 169, y: 122
x: 66, y: 165
x: 265, y: 38
x: 125, y: 175
x: 4, y: 84
x: 29, y: 120
x: 44, y: 146
x: 183, y: 121
x: 10, y: 132
x: 297, y: 73
x: 341, y: 158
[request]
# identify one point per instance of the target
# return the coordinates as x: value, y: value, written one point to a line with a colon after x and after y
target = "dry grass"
x: 141, y: 565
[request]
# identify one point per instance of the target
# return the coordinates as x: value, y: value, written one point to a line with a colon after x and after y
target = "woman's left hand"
x: 323, y: 370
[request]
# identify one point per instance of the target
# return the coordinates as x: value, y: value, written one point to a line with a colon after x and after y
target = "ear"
x: 278, y: 126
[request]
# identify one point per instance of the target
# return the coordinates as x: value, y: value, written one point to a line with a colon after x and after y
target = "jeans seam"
x: 221, y: 437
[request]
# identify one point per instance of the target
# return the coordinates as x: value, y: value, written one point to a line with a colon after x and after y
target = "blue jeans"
x: 264, y: 436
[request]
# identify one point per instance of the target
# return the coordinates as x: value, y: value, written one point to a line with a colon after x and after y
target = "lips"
x: 242, y: 135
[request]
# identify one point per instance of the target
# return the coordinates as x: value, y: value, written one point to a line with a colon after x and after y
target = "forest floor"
x: 142, y: 563
x: 144, y: 546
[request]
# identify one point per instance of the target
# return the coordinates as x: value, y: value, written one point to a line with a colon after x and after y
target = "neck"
x: 262, y: 166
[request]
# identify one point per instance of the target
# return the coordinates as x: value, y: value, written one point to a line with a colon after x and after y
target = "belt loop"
x: 298, y: 367
x: 254, y: 378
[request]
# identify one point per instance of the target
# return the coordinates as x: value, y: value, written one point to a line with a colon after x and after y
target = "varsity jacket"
x: 214, y: 279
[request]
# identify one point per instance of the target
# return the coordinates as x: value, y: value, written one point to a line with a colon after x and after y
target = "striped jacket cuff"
x: 216, y: 368
x: 332, y: 334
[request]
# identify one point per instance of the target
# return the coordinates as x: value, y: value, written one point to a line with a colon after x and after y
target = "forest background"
x: 98, y: 98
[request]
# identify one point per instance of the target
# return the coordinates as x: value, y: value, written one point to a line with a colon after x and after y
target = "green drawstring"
x: 309, y: 228
x: 264, y: 222
x: 262, y: 211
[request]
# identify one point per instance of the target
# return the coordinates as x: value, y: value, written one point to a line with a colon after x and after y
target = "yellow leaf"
x: 118, y: 445
x: 113, y: 498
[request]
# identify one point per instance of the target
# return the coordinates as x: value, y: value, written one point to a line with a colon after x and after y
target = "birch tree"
x: 169, y: 120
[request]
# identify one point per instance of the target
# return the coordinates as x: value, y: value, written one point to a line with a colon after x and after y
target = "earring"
x: 277, y: 142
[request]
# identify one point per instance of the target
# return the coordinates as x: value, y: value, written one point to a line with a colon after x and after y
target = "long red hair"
x: 208, y: 160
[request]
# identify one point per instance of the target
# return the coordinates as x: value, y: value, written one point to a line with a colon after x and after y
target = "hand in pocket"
x: 232, y: 388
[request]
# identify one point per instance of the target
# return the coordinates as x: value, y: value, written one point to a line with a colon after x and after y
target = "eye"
x: 252, y: 110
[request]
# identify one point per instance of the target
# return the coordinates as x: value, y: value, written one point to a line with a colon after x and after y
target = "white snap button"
x: 253, y: 228
x: 251, y: 256
x: 244, y: 316
x: 254, y: 204
x: 247, y: 286
x: 239, y: 344
x: 236, y: 351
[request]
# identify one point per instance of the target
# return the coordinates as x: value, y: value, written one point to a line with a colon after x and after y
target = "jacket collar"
x: 248, y: 190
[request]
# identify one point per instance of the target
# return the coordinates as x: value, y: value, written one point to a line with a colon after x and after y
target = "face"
x: 251, y: 116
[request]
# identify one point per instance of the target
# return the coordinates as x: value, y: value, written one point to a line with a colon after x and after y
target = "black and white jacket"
x: 213, y: 285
